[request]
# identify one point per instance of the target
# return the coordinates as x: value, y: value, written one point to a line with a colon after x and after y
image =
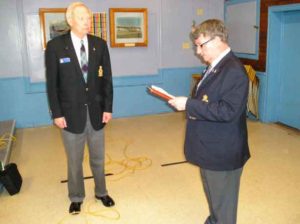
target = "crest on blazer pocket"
x: 205, y: 98
x: 100, y: 71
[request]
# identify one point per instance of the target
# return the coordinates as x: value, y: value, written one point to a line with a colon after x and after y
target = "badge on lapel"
x: 100, y: 71
x: 205, y: 98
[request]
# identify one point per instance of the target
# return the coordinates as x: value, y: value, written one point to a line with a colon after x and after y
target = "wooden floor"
x: 146, y: 192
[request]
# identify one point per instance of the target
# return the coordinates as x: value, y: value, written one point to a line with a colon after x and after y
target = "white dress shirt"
x: 77, y: 45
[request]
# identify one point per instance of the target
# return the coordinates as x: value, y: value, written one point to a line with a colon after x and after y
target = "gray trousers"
x: 222, y: 191
x: 74, y: 146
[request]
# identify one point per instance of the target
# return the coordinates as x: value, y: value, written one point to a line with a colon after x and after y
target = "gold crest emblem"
x: 100, y: 71
x: 205, y: 98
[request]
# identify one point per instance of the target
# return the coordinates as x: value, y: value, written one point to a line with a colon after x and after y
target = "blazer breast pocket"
x: 64, y: 62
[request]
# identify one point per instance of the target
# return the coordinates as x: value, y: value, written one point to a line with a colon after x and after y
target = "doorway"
x: 283, y: 86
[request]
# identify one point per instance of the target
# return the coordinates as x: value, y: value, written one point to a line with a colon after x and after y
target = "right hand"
x: 178, y: 102
x: 60, y: 122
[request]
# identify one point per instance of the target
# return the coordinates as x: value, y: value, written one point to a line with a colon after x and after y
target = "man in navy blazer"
x: 80, y: 94
x: 216, y: 133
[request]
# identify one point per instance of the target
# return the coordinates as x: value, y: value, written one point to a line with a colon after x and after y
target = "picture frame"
x: 53, y: 23
x: 128, y: 27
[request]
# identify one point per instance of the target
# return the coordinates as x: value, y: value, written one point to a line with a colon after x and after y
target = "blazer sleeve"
x: 107, y: 75
x: 231, y: 100
x: 52, y: 80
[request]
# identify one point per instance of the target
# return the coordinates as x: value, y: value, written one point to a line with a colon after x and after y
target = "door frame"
x: 274, y: 42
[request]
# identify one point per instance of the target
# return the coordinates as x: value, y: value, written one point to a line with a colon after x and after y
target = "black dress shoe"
x: 106, y: 200
x: 75, y: 208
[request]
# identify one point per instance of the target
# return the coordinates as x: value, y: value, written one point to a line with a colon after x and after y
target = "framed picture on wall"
x: 128, y: 27
x: 53, y: 23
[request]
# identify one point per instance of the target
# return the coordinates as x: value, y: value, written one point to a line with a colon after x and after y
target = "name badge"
x: 64, y: 60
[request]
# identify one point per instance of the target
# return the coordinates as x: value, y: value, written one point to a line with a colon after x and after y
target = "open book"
x: 157, y: 91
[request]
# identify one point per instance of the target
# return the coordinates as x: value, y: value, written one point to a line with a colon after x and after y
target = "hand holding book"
x: 159, y: 92
x: 179, y: 103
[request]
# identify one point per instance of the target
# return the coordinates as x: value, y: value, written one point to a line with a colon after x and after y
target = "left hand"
x: 106, y: 117
x: 178, y: 102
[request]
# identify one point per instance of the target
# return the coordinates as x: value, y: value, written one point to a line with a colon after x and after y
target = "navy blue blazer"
x: 68, y: 94
x: 216, y: 132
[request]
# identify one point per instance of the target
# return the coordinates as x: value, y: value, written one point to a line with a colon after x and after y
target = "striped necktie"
x: 83, y: 61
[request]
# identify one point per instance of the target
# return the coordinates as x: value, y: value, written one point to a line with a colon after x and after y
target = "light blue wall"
x: 130, y: 96
x: 29, y: 109
x: 164, y: 62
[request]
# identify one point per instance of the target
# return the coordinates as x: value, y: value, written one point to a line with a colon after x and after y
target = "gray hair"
x: 211, y: 28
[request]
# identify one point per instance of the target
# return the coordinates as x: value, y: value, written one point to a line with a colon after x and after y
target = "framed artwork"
x: 53, y: 23
x: 128, y: 27
x: 98, y: 26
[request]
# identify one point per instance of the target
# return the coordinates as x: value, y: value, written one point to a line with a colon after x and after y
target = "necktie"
x: 207, y: 71
x: 83, y: 61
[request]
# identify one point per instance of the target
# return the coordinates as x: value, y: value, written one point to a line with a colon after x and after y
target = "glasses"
x: 201, y: 45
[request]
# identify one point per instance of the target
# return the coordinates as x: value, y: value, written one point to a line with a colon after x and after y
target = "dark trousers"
x: 222, y: 191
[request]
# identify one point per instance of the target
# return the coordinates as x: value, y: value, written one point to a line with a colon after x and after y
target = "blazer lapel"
x: 69, y: 47
x: 211, y: 74
x: 215, y: 71
x: 207, y: 79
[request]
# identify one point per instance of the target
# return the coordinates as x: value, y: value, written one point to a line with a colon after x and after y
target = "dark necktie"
x: 83, y: 61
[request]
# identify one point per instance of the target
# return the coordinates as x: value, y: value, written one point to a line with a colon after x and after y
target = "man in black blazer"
x: 80, y: 94
x: 216, y: 133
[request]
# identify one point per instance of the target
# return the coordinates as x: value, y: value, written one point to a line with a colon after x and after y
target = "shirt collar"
x: 220, y: 57
x: 77, y: 40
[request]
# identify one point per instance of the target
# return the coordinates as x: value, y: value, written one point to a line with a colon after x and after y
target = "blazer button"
x: 86, y: 89
x: 85, y: 104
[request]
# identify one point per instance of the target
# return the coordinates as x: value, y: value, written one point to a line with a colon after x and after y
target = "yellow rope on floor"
x: 120, y: 169
x: 107, y: 213
x: 125, y: 167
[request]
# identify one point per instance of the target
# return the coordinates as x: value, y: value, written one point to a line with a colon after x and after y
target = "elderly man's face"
x: 81, y: 21
x: 205, y: 48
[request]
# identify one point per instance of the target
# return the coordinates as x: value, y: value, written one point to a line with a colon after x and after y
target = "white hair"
x: 71, y: 8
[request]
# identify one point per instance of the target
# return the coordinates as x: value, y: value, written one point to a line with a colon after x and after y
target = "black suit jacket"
x: 216, y: 132
x: 68, y: 94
